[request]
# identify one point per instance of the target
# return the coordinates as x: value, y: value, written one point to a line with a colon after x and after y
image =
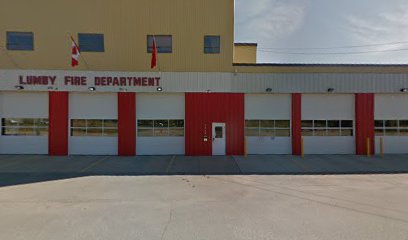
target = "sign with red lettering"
x: 95, y: 81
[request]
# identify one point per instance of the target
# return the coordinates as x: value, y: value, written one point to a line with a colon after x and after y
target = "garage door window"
x: 160, y: 128
x: 391, y: 127
x: 330, y: 128
x: 24, y: 127
x: 94, y: 127
x: 267, y: 128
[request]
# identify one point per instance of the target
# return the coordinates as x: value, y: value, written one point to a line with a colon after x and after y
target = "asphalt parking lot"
x: 21, y: 169
x: 177, y: 197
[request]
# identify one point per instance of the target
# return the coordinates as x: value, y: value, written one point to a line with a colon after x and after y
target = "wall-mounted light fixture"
x: 122, y: 89
x: 404, y: 90
x: 330, y: 90
x: 18, y: 87
x: 92, y: 89
x: 159, y: 89
x: 268, y: 90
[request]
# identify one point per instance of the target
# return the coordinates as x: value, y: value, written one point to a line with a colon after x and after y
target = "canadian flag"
x: 75, y: 54
x: 154, y: 54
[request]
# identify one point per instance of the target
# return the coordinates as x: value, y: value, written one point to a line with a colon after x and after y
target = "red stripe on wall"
x: 296, y: 124
x: 203, y: 109
x: 126, y: 124
x: 58, y: 124
x: 364, y: 122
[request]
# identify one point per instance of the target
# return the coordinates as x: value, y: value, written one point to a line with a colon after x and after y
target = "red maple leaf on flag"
x: 75, y: 54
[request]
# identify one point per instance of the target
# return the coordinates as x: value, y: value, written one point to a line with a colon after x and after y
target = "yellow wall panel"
x: 245, y: 53
x: 125, y: 24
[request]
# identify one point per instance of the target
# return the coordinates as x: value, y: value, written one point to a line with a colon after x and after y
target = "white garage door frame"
x: 391, y: 107
x: 329, y: 107
x: 160, y: 106
x: 268, y: 107
x: 92, y: 106
x: 23, y: 105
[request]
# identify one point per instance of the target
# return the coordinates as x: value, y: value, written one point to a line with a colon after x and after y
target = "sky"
x: 325, y: 31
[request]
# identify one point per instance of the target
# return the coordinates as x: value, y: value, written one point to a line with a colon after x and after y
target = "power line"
x: 333, y: 53
x: 339, y: 47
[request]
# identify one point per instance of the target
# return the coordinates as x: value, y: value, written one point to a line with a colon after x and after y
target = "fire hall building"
x: 207, y: 95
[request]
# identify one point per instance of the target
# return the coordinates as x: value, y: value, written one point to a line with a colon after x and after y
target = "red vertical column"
x: 126, y: 124
x: 364, y: 107
x: 296, y: 124
x: 58, y: 124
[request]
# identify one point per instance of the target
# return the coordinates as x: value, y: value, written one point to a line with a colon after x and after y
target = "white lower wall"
x: 93, y: 106
x: 160, y: 146
x: 23, y: 105
x: 23, y: 145
x: 329, y: 145
x: 269, y: 145
x: 93, y: 145
x: 391, y: 107
x: 160, y: 106
x: 268, y: 107
x: 328, y: 107
x: 392, y: 144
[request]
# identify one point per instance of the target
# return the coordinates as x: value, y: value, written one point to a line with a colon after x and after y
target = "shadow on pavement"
x: 26, y: 169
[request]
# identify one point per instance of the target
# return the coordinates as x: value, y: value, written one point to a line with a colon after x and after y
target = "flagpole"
x: 80, y: 55
x: 157, y: 58
x: 10, y: 58
x: 158, y: 66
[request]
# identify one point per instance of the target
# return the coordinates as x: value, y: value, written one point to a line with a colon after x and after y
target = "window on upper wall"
x: 20, y: 41
x: 164, y: 43
x: 212, y: 44
x: 391, y: 127
x: 24, y: 127
x: 91, y: 42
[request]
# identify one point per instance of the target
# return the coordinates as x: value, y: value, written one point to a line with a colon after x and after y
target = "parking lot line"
x: 94, y: 164
x: 170, y: 163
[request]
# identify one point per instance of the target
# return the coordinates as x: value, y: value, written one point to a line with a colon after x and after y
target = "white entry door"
x: 218, y: 141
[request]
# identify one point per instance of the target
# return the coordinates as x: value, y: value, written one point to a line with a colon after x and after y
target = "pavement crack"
x: 326, y: 196
x: 170, y: 164
x: 169, y: 220
x: 305, y: 198
x: 93, y: 164
x: 236, y: 163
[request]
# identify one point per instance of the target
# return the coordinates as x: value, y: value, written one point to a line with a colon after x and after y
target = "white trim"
x: 220, y: 82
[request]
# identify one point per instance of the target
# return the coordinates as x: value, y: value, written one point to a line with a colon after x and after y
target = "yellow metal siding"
x: 125, y: 24
x: 245, y: 54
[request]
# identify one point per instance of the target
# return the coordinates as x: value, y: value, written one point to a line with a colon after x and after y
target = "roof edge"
x: 246, y: 44
x: 314, y: 65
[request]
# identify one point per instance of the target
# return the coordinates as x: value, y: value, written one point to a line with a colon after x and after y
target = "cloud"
x: 383, y: 27
x: 268, y: 20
